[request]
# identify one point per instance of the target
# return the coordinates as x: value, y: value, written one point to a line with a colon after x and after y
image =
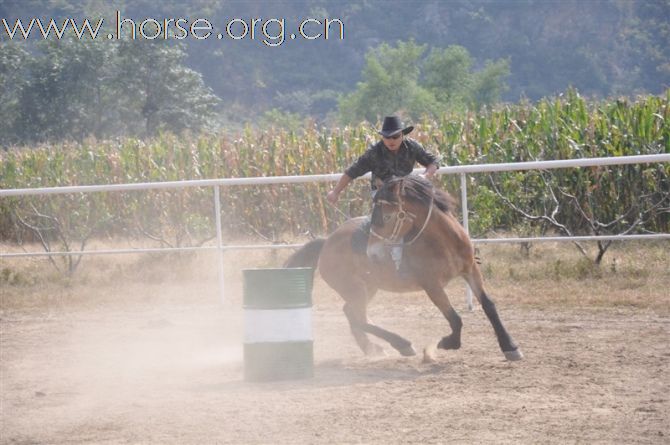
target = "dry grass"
x: 551, y: 274
x: 631, y: 274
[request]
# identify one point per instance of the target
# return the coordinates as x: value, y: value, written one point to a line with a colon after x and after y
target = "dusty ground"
x: 159, y: 360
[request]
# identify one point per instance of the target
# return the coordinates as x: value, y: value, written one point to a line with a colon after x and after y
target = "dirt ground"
x: 159, y: 361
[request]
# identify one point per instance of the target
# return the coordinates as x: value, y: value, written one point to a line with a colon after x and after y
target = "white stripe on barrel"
x: 278, y: 325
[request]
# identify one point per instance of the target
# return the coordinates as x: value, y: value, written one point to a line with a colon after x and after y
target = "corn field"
x: 565, y: 127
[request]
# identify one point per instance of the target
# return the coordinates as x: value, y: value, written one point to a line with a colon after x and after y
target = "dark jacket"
x: 385, y: 164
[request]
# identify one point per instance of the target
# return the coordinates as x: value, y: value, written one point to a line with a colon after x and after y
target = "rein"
x: 400, y: 218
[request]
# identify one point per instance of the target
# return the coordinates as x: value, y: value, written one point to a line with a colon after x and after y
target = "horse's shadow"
x: 334, y: 373
x: 337, y: 373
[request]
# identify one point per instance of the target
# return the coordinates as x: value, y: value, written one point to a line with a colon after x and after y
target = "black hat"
x: 393, y: 125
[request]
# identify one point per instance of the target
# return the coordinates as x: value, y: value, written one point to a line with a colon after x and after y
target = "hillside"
x: 602, y: 48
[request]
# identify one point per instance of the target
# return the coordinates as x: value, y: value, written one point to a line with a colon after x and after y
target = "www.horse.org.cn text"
x: 268, y: 31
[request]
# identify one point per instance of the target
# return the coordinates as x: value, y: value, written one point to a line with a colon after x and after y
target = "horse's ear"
x: 376, y: 217
x: 383, y: 190
x: 393, y: 180
x: 402, y: 188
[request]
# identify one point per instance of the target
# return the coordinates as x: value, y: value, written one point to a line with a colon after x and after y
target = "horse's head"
x: 401, y: 209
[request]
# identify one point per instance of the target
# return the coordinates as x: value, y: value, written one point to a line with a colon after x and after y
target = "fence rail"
x: 264, y: 180
x: 462, y: 170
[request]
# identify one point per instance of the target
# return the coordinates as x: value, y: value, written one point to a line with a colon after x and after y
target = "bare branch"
x: 272, y: 240
x: 579, y: 208
x: 550, y: 219
x: 146, y: 233
x: 201, y: 242
x: 37, y: 231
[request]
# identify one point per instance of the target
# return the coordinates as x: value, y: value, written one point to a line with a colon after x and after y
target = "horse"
x: 355, y: 261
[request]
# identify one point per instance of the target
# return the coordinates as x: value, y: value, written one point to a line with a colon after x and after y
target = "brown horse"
x: 355, y: 261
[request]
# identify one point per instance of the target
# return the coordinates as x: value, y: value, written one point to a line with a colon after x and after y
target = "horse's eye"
x: 387, y: 218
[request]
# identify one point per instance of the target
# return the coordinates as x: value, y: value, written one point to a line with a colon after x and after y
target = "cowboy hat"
x: 393, y: 125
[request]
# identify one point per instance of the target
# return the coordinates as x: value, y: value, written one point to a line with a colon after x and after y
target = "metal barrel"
x: 278, y: 340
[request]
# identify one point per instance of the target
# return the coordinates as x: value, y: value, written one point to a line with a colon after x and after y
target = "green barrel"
x: 278, y: 341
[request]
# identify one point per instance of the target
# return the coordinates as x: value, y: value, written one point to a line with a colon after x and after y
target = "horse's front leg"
x: 507, y: 344
x: 439, y: 298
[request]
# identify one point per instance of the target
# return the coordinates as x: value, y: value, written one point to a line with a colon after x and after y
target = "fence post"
x: 464, y: 208
x: 219, y: 240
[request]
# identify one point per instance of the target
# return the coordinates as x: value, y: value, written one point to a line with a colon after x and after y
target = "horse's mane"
x: 417, y: 189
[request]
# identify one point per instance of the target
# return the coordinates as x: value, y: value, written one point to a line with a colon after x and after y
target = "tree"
x: 72, y: 89
x: 447, y: 75
x: 390, y: 83
x: 617, y: 200
x: 159, y: 90
x: 12, y: 81
x: 400, y: 79
x: 64, y: 96
x: 487, y: 85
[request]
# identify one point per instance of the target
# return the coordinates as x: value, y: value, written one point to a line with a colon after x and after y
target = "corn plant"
x: 593, y: 200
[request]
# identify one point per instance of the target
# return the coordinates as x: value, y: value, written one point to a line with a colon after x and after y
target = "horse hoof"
x: 449, y: 343
x: 513, y: 356
x: 407, y: 351
x: 429, y: 354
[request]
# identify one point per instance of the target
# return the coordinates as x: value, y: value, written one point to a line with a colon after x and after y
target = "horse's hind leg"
x: 355, y: 309
x: 356, y: 312
x: 507, y: 344
x: 357, y: 296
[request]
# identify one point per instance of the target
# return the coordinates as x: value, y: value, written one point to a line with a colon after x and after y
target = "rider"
x: 394, y: 155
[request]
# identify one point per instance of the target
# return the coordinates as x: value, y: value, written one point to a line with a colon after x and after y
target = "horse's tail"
x: 307, y: 255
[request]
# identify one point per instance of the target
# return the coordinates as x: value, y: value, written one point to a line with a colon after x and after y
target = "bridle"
x: 401, y: 216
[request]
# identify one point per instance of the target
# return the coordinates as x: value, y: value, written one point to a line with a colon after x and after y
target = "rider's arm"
x: 361, y: 166
x: 334, y: 194
x: 430, y: 170
x: 425, y: 158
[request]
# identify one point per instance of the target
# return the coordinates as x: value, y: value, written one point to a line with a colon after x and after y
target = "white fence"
x: 463, y: 171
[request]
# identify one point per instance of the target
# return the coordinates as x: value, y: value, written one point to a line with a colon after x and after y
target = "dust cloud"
x: 145, y: 351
